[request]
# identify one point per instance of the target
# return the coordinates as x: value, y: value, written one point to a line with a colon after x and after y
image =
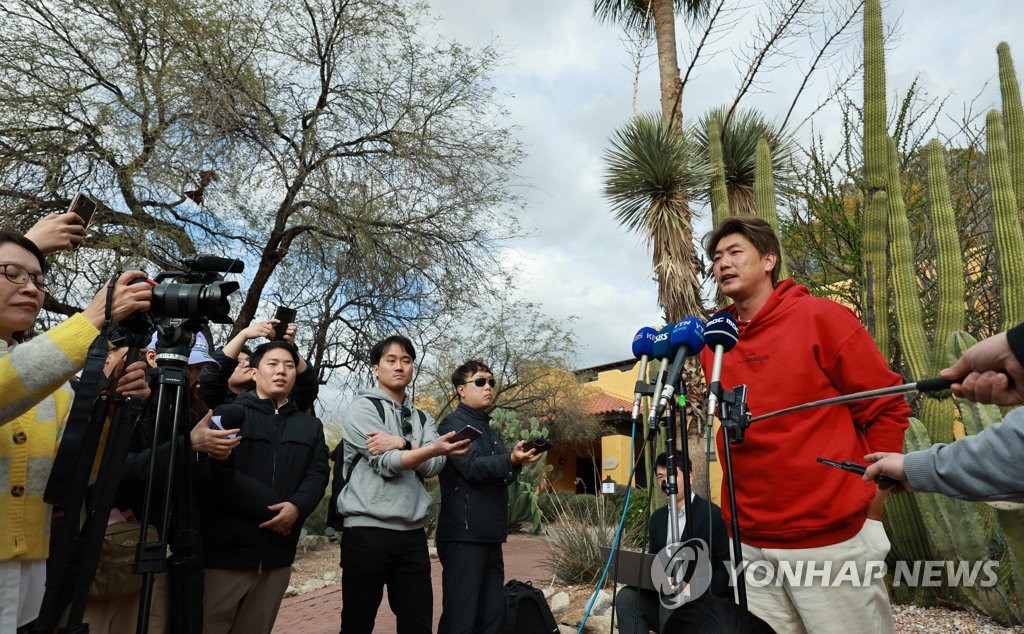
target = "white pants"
x: 850, y: 597
x: 22, y: 584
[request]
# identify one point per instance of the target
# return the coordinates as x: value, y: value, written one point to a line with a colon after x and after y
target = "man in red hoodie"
x: 795, y: 513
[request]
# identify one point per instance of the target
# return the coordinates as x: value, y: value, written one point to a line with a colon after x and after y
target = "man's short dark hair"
x: 662, y: 461
x: 468, y: 369
x: 377, y: 351
x: 246, y: 350
x: 24, y: 243
x: 262, y: 349
x: 758, y: 231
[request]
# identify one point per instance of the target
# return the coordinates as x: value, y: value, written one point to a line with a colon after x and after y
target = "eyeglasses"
x: 17, y: 274
x: 406, y: 425
x: 481, y: 381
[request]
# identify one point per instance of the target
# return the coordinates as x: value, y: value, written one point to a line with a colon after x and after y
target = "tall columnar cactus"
x: 719, y: 192
x: 906, y: 294
x: 1009, y: 237
x: 1013, y: 119
x: 876, y: 304
x: 764, y: 193
x: 949, y: 258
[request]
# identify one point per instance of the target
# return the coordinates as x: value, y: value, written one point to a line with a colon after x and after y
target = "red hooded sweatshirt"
x: 800, y: 348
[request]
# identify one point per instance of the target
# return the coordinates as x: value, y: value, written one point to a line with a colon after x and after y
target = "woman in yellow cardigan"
x: 34, y: 402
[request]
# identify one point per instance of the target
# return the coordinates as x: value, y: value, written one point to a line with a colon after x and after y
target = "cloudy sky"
x: 569, y: 85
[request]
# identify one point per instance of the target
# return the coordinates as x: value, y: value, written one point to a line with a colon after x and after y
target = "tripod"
x: 77, y: 547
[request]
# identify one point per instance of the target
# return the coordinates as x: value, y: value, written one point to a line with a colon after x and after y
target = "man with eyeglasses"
x: 473, y: 522
x: 388, y: 449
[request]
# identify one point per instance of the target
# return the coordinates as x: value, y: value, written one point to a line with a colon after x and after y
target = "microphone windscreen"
x: 690, y: 333
x: 643, y: 342
x: 723, y: 331
x: 231, y: 416
x: 662, y: 345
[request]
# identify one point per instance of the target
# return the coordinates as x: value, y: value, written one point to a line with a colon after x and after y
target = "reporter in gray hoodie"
x: 389, y: 448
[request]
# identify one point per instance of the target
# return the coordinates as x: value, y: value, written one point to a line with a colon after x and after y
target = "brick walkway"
x: 320, y: 612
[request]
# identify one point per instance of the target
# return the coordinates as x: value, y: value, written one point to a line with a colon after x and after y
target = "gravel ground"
x: 910, y: 619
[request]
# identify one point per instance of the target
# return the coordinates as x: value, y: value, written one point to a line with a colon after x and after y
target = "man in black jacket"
x: 473, y: 521
x: 638, y: 610
x: 260, y: 495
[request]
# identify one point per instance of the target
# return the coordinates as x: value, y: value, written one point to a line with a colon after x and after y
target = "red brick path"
x: 320, y: 612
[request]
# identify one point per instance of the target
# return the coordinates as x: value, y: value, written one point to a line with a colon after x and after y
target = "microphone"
x: 643, y: 349
x: 662, y: 352
x: 721, y: 334
x: 687, y: 339
x: 214, y: 263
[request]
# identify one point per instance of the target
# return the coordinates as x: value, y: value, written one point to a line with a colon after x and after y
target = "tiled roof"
x: 601, y: 403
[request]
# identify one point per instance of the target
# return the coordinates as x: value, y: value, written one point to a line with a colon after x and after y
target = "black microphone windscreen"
x: 934, y: 385
x: 722, y: 330
x: 231, y: 416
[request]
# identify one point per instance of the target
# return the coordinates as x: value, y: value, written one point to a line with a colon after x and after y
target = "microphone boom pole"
x: 927, y: 385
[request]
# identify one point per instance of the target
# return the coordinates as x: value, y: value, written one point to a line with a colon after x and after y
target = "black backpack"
x: 334, y: 518
x: 526, y: 610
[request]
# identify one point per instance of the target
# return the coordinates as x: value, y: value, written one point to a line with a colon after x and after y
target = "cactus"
x: 876, y: 302
x: 1009, y: 236
x: 764, y: 194
x: 523, y: 498
x: 949, y: 258
x: 719, y: 192
x: 1013, y: 119
x: 906, y: 295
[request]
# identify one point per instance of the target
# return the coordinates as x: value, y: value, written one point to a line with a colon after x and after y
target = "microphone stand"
x: 642, y: 389
x: 735, y: 417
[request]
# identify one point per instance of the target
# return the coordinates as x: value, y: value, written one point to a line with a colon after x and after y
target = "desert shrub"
x: 585, y: 524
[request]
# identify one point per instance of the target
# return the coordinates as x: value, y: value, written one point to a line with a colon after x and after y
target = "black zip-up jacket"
x: 474, y: 487
x: 282, y: 457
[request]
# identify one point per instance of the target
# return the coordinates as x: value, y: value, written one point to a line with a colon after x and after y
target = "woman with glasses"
x: 473, y: 521
x: 34, y: 403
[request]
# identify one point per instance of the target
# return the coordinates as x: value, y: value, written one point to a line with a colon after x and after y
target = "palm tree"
x: 657, y: 17
x: 739, y: 150
x: 652, y: 172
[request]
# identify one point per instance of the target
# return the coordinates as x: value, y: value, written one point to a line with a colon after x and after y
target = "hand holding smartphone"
x: 539, y: 444
x: 85, y: 206
x: 466, y: 433
x: 284, y: 316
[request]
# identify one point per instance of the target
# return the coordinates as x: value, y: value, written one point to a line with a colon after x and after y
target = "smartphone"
x: 853, y: 467
x: 86, y: 207
x: 540, y: 444
x: 466, y: 433
x: 285, y: 316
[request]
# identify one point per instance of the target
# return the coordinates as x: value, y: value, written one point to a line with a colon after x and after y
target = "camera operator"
x: 222, y: 383
x: 35, y: 400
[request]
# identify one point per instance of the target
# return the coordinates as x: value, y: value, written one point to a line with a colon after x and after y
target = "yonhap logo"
x: 682, y: 572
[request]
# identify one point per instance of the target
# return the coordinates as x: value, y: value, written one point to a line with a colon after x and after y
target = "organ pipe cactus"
x: 949, y: 258
x: 876, y: 301
x: 764, y: 194
x: 719, y: 192
x: 1013, y: 120
x: 1009, y: 237
x: 906, y: 296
